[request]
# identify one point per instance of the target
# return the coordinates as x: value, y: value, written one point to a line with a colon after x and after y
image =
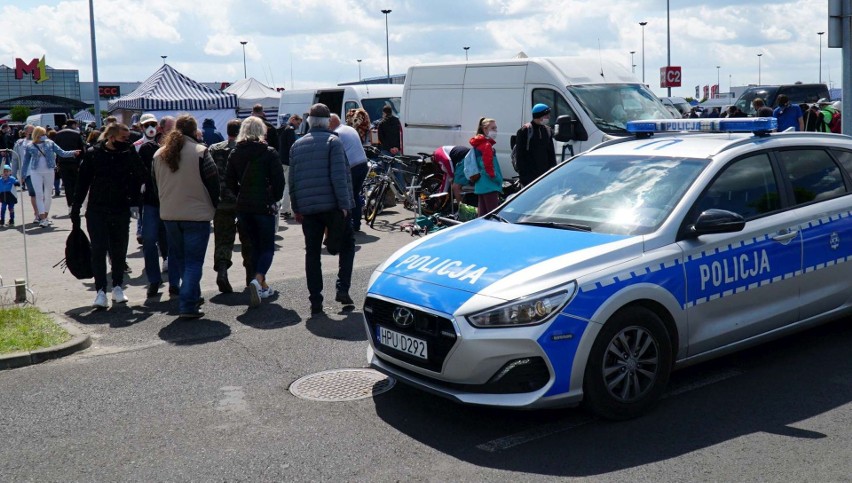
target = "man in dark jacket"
x: 70, y: 139
x: 320, y: 192
x: 271, y: 133
x: 225, y: 225
x: 209, y: 133
x: 390, y: 132
x: 286, y: 139
x: 534, y: 146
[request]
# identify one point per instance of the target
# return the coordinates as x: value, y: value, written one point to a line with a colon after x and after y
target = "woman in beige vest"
x: 187, y: 184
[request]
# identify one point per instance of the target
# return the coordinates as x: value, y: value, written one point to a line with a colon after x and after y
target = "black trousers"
x: 108, y: 234
x: 69, y: 173
x: 313, y: 227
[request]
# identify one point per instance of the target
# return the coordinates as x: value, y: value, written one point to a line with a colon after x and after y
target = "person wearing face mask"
x: 488, y: 181
x: 534, y: 146
x: 111, y: 176
x: 40, y: 166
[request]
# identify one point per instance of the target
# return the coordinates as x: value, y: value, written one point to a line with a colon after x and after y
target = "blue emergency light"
x: 755, y: 125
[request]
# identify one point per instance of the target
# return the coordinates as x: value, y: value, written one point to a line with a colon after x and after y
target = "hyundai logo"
x: 403, y: 317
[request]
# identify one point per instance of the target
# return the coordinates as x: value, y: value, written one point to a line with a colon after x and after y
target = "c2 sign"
x: 670, y: 76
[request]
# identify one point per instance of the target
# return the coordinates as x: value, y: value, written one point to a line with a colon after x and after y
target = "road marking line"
x: 530, y: 435
x: 706, y: 381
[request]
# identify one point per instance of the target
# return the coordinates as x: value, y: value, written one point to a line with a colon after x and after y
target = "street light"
x: 820, y: 56
x: 718, y: 86
x: 387, y: 42
x: 164, y: 58
x: 94, y: 70
x: 759, y: 81
x: 643, y: 24
x: 465, y: 53
x: 632, y: 63
x: 359, y: 70
x: 245, y: 75
x: 668, y: 42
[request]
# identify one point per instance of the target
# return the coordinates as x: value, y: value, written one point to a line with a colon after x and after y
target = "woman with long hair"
x: 187, y: 184
x: 40, y: 166
x: 488, y: 181
x: 255, y: 176
x: 111, y: 176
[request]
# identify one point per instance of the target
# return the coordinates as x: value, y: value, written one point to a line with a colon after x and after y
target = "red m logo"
x: 37, y: 68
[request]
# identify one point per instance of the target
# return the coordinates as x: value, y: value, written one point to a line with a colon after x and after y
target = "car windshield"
x: 374, y: 106
x: 765, y: 93
x: 610, y: 106
x: 622, y: 195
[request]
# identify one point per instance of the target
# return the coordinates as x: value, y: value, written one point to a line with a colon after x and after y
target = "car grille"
x: 438, y: 332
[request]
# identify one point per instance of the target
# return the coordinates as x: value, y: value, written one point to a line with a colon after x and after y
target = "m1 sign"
x: 36, y: 68
x: 670, y: 76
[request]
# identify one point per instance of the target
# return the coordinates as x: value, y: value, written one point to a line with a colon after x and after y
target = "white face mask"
x: 150, y: 132
x: 492, y: 134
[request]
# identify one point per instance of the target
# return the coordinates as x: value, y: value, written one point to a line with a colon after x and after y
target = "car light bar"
x: 755, y: 124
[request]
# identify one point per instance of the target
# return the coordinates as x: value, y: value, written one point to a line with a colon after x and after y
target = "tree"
x: 19, y: 113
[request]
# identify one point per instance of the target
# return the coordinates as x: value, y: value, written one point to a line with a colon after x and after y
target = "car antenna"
x: 600, y: 57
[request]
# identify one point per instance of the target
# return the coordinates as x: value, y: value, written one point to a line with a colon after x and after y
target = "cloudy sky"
x: 310, y: 43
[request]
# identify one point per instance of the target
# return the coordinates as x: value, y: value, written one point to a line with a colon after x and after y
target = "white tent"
x: 250, y: 92
x: 169, y: 93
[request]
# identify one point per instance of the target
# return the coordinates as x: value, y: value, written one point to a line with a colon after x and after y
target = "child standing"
x: 7, y: 195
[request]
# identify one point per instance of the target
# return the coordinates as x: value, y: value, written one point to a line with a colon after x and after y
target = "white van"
x: 372, y: 97
x: 442, y: 103
x: 53, y: 119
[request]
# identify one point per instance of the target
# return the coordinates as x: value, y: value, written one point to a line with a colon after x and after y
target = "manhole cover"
x: 342, y: 385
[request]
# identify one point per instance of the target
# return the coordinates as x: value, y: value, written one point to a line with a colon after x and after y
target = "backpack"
x: 515, y: 145
x: 78, y: 254
x: 834, y: 123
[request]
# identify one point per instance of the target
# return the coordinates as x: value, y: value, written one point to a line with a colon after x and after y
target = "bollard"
x: 20, y: 290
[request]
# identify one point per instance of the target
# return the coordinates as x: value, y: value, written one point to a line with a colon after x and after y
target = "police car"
x: 638, y: 257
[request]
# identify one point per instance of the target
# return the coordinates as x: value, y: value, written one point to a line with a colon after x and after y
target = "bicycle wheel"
x: 429, y: 204
x: 374, y: 202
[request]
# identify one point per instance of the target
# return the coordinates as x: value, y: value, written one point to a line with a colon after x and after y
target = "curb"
x: 78, y: 342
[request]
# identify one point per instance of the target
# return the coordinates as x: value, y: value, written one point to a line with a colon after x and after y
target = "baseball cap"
x: 319, y: 110
x: 147, y: 117
x: 6, y: 166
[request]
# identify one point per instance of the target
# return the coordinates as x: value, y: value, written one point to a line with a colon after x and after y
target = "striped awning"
x: 84, y: 116
x: 169, y: 90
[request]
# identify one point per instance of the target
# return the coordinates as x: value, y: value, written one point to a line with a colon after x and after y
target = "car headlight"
x: 531, y: 310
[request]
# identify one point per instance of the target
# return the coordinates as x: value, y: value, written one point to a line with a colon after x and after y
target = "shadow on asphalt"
x: 117, y: 316
x: 351, y: 328
x: 194, y: 332
x: 363, y: 238
x: 269, y: 316
x: 780, y: 385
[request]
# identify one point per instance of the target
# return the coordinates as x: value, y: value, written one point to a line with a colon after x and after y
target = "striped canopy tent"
x: 84, y: 117
x: 250, y: 92
x: 169, y: 93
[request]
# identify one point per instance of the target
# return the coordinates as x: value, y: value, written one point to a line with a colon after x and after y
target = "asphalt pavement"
x: 159, y: 399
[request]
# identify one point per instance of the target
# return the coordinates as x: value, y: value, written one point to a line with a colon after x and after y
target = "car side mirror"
x: 717, y: 221
x: 565, y: 129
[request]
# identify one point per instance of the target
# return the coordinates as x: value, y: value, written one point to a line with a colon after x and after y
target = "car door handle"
x: 786, y: 236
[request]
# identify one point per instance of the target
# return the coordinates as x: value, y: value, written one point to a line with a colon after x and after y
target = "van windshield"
x: 765, y: 93
x: 374, y: 106
x: 611, y: 105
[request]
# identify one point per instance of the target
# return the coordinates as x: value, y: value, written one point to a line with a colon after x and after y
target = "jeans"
x: 42, y: 182
x: 261, y: 231
x: 313, y: 227
x: 187, y: 247
x: 359, y: 174
x: 3, y: 207
x: 56, y: 180
x: 155, y: 244
x: 69, y: 174
x: 108, y: 233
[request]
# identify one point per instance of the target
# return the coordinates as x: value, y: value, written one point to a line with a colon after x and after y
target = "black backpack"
x: 78, y: 254
x: 515, y: 145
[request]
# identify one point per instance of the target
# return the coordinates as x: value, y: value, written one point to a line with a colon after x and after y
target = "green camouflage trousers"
x: 225, y: 229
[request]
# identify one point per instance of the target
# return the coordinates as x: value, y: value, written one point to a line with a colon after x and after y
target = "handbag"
x: 335, y: 223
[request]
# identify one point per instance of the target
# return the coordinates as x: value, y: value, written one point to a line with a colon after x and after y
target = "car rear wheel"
x: 629, y: 365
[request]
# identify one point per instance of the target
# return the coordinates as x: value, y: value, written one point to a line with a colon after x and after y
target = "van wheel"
x: 629, y: 365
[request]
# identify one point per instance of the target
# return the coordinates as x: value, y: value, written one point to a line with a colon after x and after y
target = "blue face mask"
x: 43, y: 138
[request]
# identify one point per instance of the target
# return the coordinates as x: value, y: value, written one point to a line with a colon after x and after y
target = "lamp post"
x: 632, y: 62
x: 164, y: 58
x: 759, y: 80
x: 387, y: 42
x: 820, y: 56
x: 359, y: 70
x: 643, y: 24
x: 668, y: 42
x: 94, y: 69
x: 718, y: 86
x: 465, y: 53
x: 245, y: 74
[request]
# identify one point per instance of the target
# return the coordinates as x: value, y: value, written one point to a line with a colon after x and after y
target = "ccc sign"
x: 109, y: 91
x: 670, y: 76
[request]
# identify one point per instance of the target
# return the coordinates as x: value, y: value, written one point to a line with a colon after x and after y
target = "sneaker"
x: 196, y: 314
x: 165, y: 265
x: 286, y: 215
x: 49, y: 222
x: 43, y: 223
x: 11, y: 223
x: 344, y: 298
x: 118, y: 296
x: 36, y: 221
x: 254, y: 293
x: 100, y: 300
x: 267, y: 292
x: 154, y: 289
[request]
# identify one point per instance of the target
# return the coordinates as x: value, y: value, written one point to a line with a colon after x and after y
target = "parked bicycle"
x: 412, y: 179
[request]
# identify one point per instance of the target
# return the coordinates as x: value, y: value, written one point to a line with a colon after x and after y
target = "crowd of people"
x: 821, y: 116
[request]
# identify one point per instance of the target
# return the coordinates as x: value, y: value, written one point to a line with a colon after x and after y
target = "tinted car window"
x: 813, y: 175
x: 746, y: 187
x: 845, y: 158
x: 809, y: 93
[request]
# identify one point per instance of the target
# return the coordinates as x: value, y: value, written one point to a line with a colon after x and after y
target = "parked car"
x: 797, y: 93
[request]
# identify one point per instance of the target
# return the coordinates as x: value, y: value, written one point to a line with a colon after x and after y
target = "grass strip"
x: 27, y: 329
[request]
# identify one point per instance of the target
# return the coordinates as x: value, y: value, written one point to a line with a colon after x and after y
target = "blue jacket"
x: 7, y: 185
x: 320, y: 180
x: 49, y: 149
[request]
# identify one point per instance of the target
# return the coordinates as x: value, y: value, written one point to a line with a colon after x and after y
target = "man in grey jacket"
x: 320, y: 192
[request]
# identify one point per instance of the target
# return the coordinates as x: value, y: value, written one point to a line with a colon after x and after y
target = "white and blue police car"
x: 640, y: 256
